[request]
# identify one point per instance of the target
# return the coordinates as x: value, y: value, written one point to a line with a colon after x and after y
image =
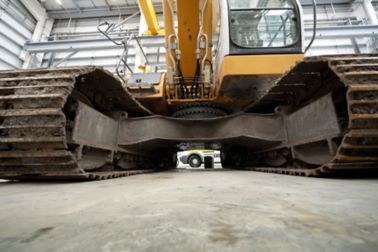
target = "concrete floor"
x: 191, y: 211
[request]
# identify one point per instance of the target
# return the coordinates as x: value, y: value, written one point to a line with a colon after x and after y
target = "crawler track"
x: 358, y: 151
x: 36, y: 125
x: 40, y: 112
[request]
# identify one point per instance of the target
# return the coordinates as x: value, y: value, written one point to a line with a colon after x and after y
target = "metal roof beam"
x: 97, y: 12
x: 331, y: 32
x: 108, y: 5
x: 77, y: 6
x: 84, y: 44
x: 345, y: 31
x: 328, y: 2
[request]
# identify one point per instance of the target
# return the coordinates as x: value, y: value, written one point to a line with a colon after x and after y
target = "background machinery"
x: 199, y: 159
x: 236, y: 81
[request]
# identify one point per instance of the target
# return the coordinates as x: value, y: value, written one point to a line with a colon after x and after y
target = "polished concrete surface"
x: 191, y: 211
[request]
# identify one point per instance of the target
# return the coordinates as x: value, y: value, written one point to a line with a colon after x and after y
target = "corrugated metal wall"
x: 106, y: 56
x: 328, y: 15
x: 16, y: 27
x: 77, y: 34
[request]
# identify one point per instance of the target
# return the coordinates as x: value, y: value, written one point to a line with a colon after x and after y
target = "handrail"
x: 125, y: 43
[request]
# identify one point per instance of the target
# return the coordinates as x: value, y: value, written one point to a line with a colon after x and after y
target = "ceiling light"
x: 59, y: 2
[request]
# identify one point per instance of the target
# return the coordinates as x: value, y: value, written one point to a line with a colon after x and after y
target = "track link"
x: 35, y: 130
x: 358, y: 151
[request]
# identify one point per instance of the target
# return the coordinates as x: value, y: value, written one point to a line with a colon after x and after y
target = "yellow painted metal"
x: 232, y: 65
x: 188, y: 23
x: 188, y: 27
x: 276, y: 64
x: 149, y: 33
x: 273, y: 65
x: 155, y: 101
x: 148, y: 10
x: 168, y: 26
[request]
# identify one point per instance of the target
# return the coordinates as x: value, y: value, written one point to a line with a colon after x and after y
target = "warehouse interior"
x: 268, y: 148
x: 64, y: 33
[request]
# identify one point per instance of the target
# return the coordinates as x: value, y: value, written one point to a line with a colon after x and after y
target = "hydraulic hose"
x: 314, y: 27
x: 183, y: 87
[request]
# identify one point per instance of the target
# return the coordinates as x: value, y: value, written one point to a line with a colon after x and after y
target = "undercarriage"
x: 320, y: 118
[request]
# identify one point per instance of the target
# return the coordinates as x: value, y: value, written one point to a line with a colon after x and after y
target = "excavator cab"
x: 264, y: 27
x: 258, y: 41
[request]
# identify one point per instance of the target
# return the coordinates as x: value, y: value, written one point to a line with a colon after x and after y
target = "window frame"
x: 294, y: 47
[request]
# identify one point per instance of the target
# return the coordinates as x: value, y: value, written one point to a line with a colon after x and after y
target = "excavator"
x: 236, y: 80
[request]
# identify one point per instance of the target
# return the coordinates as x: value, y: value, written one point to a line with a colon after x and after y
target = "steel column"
x: 370, y: 12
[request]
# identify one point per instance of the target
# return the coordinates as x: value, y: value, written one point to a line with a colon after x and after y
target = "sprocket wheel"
x: 198, y: 111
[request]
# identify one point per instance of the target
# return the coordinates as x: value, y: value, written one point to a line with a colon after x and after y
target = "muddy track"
x: 36, y: 122
x: 38, y: 115
x: 358, y: 151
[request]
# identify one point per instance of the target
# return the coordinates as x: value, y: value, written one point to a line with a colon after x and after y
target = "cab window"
x: 263, y: 23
